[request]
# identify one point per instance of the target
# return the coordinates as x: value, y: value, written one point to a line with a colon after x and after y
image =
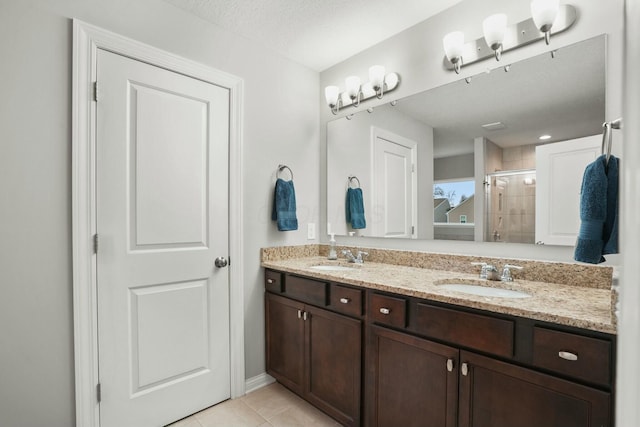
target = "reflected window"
x: 453, y: 201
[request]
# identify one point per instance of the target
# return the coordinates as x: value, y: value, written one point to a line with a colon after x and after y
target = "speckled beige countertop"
x: 588, y: 307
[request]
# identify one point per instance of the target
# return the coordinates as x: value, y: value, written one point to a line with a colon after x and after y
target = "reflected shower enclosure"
x: 511, y: 207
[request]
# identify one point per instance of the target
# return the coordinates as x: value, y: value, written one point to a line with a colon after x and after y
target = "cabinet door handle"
x: 450, y: 365
x: 299, y: 314
x: 304, y: 315
x: 385, y: 310
x: 344, y: 300
x: 566, y: 355
x: 270, y: 281
x: 465, y: 369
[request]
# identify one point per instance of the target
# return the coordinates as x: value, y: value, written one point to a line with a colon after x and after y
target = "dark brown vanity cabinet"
x: 316, y: 352
x: 424, y: 368
x: 411, y: 381
x: 499, y: 394
x: 429, y: 364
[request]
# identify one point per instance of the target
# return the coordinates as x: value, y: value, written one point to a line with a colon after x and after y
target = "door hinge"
x: 413, y: 230
x: 413, y: 167
x: 99, y: 392
x: 95, y: 243
x: 95, y: 91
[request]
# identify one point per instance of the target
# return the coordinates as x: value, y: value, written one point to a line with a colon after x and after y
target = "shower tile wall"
x: 512, y: 198
x: 516, y: 158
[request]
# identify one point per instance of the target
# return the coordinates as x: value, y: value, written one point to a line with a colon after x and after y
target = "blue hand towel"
x: 598, y: 211
x: 355, y: 208
x: 611, y: 221
x: 284, y: 206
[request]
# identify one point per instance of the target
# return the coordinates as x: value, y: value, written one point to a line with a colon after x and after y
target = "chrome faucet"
x: 488, y: 271
x: 358, y: 259
x: 506, y: 272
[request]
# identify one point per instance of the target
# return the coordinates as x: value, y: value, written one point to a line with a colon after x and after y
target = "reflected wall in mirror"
x: 401, y: 153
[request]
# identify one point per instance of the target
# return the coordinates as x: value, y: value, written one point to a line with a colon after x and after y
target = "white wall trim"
x: 628, y: 369
x: 259, y: 381
x: 87, y: 39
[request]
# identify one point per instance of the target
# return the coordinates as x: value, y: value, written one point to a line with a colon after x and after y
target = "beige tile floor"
x: 268, y: 406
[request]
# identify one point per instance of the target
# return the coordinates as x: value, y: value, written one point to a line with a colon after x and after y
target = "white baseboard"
x: 259, y: 381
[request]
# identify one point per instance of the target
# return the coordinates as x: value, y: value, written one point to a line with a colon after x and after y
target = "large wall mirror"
x: 463, y: 161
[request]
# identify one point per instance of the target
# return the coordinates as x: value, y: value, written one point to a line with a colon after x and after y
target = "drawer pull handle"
x: 385, y: 311
x: 450, y: 365
x: 465, y: 369
x: 270, y: 281
x: 344, y: 300
x: 567, y: 355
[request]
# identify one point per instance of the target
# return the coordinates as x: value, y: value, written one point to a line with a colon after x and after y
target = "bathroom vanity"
x: 383, y: 344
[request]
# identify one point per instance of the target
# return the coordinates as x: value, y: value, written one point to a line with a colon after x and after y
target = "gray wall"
x: 417, y: 55
x: 36, y: 314
x: 453, y: 167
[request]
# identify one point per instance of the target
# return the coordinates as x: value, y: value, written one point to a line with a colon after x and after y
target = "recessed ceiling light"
x: 544, y: 137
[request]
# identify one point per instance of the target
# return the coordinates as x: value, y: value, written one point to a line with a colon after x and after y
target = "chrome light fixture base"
x: 520, y: 34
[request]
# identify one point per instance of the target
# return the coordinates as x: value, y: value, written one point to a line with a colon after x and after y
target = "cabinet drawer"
x: 307, y: 290
x: 574, y: 355
x: 476, y: 331
x: 273, y: 281
x: 346, y: 300
x: 388, y: 310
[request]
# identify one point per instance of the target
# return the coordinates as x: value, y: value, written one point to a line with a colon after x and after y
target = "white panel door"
x: 162, y: 219
x: 394, y: 198
x: 559, y: 170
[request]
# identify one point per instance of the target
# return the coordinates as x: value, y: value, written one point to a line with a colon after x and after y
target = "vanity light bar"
x: 356, y: 92
x: 391, y: 81
x: 520, y: 34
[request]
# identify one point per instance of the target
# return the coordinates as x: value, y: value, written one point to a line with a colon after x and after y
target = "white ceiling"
x: 315, y: 33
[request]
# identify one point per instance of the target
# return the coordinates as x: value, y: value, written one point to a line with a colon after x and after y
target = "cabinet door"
x: 411, y: 381
x: 334, y: 366
x: 498, y: 394
x: 285, y: 341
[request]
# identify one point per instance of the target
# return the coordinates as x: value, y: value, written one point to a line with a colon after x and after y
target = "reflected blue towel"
x: 355, y: 208
x: 611, y: 221
x: 284, y: 206
x: 598, y: 233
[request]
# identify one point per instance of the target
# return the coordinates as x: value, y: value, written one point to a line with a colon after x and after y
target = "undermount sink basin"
x: 484, y: 291
x: 330, y: 268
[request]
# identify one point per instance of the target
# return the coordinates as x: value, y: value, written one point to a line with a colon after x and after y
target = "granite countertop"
x: 579, y: 306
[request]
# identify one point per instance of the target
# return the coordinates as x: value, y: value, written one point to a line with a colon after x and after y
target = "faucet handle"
x: 506, y: 272
x: 483, y: 270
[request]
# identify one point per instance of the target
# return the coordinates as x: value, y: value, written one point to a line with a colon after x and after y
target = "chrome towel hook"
x: 607, y: 138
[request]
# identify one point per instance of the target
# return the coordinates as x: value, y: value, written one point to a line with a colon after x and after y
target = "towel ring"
x: 351, y: 179
x: 283, y: 167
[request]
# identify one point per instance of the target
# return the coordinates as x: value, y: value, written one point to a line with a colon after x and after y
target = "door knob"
x: 221, y: 262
